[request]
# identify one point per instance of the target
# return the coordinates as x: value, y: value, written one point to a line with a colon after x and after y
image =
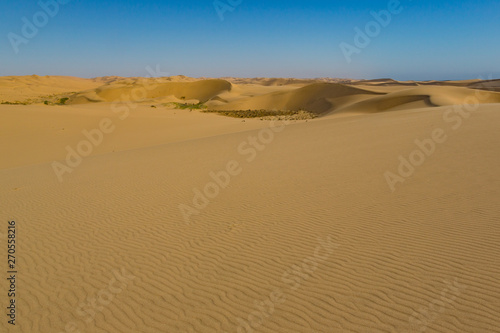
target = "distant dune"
x: 420, y: 98
x: 492, y: 85
x: 385, y: 82
x: 318, y: 96
x: 17, y: 88
x: 142, y: 89
x: 283, y: 81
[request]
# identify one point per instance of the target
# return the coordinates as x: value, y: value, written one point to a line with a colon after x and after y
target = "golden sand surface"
x: 379, y: 213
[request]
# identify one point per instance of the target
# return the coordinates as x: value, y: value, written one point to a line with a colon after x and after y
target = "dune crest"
x: 317, y: 96
x: 150, y: 89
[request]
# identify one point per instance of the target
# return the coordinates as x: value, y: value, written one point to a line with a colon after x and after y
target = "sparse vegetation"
x: 63, y: 100
x: 184, y: 106
x: 15, y: 103
x: 265, y: 114
x: 46, y: 100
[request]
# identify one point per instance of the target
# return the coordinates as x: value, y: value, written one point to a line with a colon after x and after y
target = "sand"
x: 379, y: 215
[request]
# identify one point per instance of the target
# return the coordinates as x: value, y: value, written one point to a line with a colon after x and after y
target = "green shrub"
x: 184, y: 106
x: 63, y: 101
x: 15, y: 103
x: 261, y: 113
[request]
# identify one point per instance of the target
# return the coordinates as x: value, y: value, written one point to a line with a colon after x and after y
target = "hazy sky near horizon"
x: 426, y: 40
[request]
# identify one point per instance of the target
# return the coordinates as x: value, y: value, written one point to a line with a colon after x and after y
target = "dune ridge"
x: 318, y: 96
x: 138, y: 90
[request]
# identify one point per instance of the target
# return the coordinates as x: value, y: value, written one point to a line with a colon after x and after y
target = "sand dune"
x: 284, y: 81
x: 321, y: 98
x: 316, y: 98
x: 140, y: 90
x: 492, y: 85
x: 422, y: 97
x: 385, y: 82
x: 462, y: 83
x: 20, y: 88
x: 292, y: 228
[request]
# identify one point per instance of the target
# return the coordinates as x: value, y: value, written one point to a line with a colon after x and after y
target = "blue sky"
x: 88, y: 38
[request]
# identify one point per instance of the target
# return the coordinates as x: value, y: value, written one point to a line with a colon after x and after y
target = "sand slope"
x: 20, y: 88
x: 41, y: 134
x: 423, y: 97
x: 317, y: 98
x: 139, y: 90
